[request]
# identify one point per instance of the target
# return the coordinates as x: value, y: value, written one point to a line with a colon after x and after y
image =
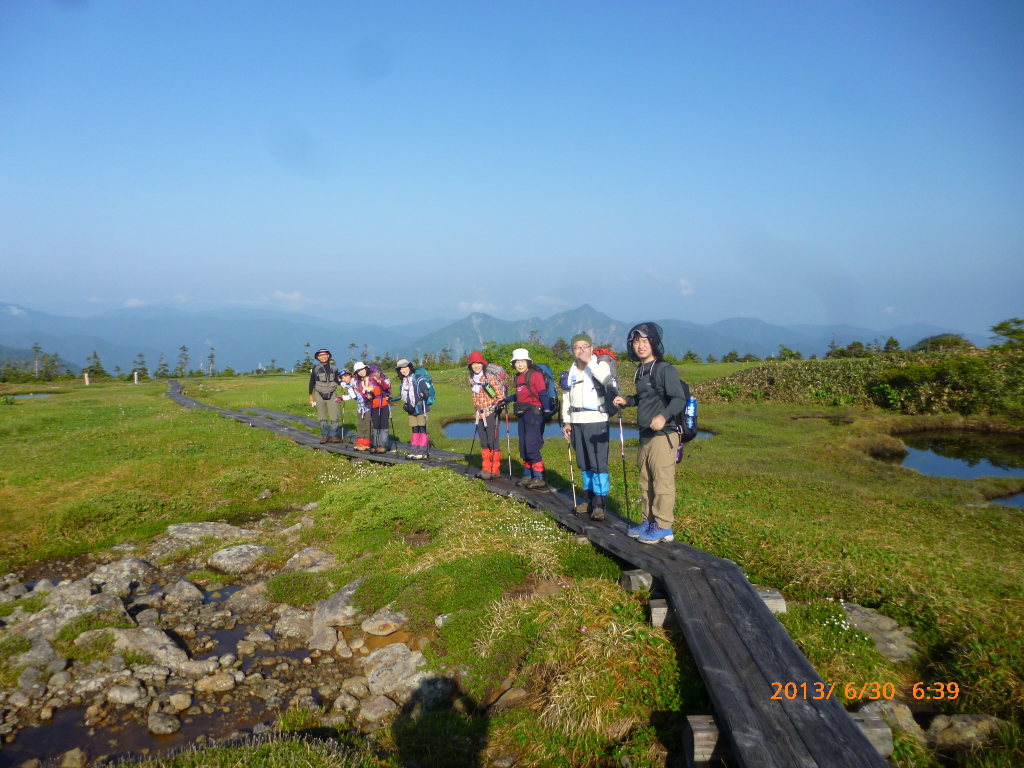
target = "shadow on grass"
x: 431, y: 733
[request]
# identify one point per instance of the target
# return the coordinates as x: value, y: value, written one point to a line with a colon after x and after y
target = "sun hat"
x: 358, y: 366
x: 402, y: 363
x: 521, y: 354
x: 322, y: 351
x: 581, y: 337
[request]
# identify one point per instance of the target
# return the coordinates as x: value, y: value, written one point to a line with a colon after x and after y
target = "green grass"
x: 99, y: 646
x: 790, y: 492
x: 279, y: 753
x: 10, y: 647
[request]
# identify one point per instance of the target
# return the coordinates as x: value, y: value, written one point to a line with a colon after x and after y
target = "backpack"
x: 493, y: 369
x: 687, y: 428
x: 549, y: 383
x: 384, y: 381
x: 605, y: 355
x: 431, y: 394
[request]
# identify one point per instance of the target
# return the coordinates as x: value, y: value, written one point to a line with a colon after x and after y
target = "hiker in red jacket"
x: 375, y: 389
x: 531, y: 400
x: 488, y: 392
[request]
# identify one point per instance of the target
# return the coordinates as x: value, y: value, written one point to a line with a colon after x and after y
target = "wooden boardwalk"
x: 738, y: 644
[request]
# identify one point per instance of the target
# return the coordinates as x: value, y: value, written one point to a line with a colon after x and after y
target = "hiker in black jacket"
x: 660, y: 402
x: 324, y: 379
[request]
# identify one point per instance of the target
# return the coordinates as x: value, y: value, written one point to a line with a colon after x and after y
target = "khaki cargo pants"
x: 327, y: 414
x: 656, y: 462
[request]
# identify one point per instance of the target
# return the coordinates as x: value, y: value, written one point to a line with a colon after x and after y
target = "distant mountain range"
x: 244, y: 338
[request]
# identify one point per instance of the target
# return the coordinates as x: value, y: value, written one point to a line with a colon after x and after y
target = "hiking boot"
x: 323, y: 440
x: 638, y: 530
x: 485, y: 475
x: 597, y: 513
x: 582, y: 509
x: 362, y: 448
x: 656, y: 534
x: 537, y: 484
x: 335, y: 440
x: 524, y: 481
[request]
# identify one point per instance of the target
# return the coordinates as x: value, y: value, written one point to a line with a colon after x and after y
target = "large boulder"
x: 184, y: 593
x: 964, y: 731
x: 248, y: 600
x: 333, y: 612
x: 131, y: 570
x: 385, y: 622
x: 311, y: 560
x: 158, y: 646
x: 237, y: 559
x: 294, y: 623
x: 377, y: 708
x: 194, y: 533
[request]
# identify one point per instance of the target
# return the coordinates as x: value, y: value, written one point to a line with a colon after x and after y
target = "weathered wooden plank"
x: 830, y: 734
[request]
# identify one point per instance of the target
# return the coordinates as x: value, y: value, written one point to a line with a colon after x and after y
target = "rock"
x: 17, y: 590
x: 163, y: 725
x: 180, y: 701
x: 258, y: 636
x: 89, y: 685
x: 245, y: 648
x: 219, y: 683
x: 76, y: 593
x: 341, y: 649
x: 28, y: 677
x: 194, y: 533
x: 33, y: 763
x: 227, y: 660
x: 148, y: 618
x: 394, y: 671
x: 294, y: 623
x: 311, y: 560
x: 891, y: 640
x: 877, y: 732
x: 441, y: 620
x: 76, y: 758
x: 335, y: 611
x: 384, y: 622
x: 149, y: 600
x: 41, y: 655
x: 184, y: 593
x: 274, y: 702
x: 248, y: 600
x: 309, y: 507
x: 964, y: 731
x: 772, y: 598
x: 636, y: 581
x: 323, y: 639
x: 18, y: 700
x: 42, y: 587
x: 158, y: 646
x: 345, y: 702
x: 240, y: 558
x: 125, y: 694
x: 58, y: 681
x: 897, y: 715
x: 266, y: 494
x: 378, y: 708
x: 510, y: 698
x: 356, y: 686
x: 503, y: 761
x: 150, y: 672
x: 131, y: 569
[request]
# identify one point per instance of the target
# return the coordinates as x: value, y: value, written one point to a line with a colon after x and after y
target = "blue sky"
x: 820, y: 162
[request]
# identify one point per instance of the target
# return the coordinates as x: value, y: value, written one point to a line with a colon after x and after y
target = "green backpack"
x: 431, y: 394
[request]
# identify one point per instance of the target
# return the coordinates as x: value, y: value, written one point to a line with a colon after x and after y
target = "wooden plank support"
x: 738, y: 644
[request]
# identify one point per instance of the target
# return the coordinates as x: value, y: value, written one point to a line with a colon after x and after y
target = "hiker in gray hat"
x: 324, y: 379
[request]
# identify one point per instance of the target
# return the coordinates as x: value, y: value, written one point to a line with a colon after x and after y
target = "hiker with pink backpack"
x: 487, y: 382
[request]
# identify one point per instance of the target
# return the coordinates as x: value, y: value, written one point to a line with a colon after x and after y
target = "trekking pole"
x: 572, y: 474
x: 343, y: 421
x: 476, y: 419
x: 622, y: 447
x: 508, y: 445
x: 426, y: 426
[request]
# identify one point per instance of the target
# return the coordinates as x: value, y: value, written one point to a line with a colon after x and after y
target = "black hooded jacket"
x: 659, y: 390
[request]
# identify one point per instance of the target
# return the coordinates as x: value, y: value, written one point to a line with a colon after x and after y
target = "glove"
x: 410, y: 409
x: 499, y: 407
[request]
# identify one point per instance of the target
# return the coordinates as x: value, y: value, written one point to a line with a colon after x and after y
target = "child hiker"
x: 531, y: 400
x: 375, y: 389
x: 324, y: 379
x: 414, y: 401
x: 488, y: 391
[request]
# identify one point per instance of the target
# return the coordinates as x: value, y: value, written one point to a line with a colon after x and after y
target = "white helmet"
x: 521, y: 354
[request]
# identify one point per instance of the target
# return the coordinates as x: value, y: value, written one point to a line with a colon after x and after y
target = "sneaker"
x: 582, y: 509
x: 323, y: 440
x: 537, y: 484
x: 485, y: 475
x: 656, y: 534
x: 335, y: 440
x: 597, y: 513
x: 362, y: 448
x: 524, y: 481
x: 639, y: 530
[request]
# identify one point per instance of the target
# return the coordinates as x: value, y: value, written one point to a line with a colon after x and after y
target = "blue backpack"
x: 431, y: 394
x: 549, y: 380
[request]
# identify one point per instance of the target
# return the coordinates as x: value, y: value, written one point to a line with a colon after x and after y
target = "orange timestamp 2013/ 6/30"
x: 872, y: 691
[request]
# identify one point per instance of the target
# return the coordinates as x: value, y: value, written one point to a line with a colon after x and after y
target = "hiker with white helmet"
x: 531, y: 399
x: 374, y: 389
x: 415, y: 394
x: 590, y: 387
x: 324, y: 379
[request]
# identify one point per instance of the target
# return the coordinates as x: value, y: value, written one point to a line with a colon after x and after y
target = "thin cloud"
x: 685, y: 287
x: 477, y: 306
x: 16, y: 311
x: 887, y: 311
x: 293, y: 300
x: 135, y: 303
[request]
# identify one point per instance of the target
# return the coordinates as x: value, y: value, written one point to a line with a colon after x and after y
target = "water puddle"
x: 22, y: 397
x: 1011, y: 501
x: 964, y: 455
x: 465, y: 429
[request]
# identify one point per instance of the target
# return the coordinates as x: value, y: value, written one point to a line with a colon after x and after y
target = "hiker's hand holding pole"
x: 567, y: 432
x: 312, y: 402
x: 619, y: 401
